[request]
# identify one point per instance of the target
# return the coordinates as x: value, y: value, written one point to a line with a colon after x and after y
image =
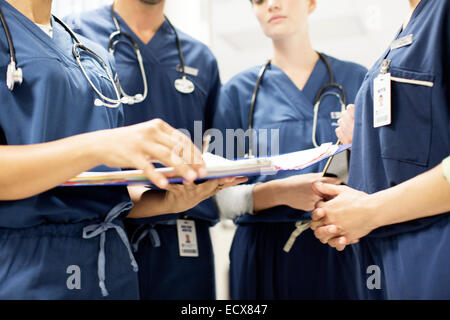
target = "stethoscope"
x: 341, y: 96
x: 182, y: 85
x: 14, y: 75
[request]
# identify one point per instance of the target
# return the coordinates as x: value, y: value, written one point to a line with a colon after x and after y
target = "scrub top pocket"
x: 408, y: 138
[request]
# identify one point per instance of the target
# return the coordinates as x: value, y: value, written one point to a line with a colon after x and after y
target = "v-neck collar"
x: 403, y: 31
x: 159, y: 38
x: 34, y: 29
x: 413, y: 19
x: 307, y: 94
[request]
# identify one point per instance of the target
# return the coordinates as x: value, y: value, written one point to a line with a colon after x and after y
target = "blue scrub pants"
x: 163, y: 273
x: 415, y: 265
x: 54, y: 261
x: 260, y: 269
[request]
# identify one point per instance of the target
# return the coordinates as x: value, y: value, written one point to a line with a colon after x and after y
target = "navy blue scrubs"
x: 163, y: 273
x: 413, y: 256
x: 66, y: 243
x: 260, y: 269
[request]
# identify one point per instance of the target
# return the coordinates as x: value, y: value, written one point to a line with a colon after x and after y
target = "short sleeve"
x: 213, y: 95
x: 226, y: 118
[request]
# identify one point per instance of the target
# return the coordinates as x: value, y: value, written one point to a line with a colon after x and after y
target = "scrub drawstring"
x: 150, y: 231
x: 100, y: 229
x: 300, y: 226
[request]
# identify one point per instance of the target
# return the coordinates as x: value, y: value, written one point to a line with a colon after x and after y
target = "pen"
x: 324, y: 172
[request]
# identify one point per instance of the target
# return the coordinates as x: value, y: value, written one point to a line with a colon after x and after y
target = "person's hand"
x: 182, y: 197
x: 297, y: 190
x: 176, y: 198
x: 346, y: 124
x: 343, y: 219
x: 137, y: 145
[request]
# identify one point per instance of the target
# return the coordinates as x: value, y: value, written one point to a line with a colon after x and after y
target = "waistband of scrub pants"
x: 85, y: 229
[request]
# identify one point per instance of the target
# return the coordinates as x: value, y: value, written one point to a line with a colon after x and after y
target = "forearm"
x: 32, y: 169
x: 266, y: 195
x: 425, y: 195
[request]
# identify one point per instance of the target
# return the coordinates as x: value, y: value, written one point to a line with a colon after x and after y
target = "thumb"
x: 325, y: 190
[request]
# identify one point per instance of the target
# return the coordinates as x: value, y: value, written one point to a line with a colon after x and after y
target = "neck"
x: 143, y: 19
x: 413, y: 5
x: 294, y: 53
x: 38, y: 11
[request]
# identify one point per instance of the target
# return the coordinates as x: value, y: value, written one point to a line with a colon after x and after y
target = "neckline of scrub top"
x: 402, y: 31
x: 413, y: 19
x: 157, y: 39
x: 48, y: 29
x: 307, y: 94
x: 41, y: 35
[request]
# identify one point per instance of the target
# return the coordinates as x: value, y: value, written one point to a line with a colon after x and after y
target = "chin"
x: 275, y: 34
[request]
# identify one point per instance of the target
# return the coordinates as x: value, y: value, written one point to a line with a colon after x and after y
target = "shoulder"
x: 244, y: 80
x: 98, y: 19
x: 98, y: 49
x: 346, y: 66
x: 196, y: 48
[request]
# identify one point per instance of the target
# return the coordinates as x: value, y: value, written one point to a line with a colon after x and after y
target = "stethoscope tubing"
x: 319, y: 96
x: 112, y: 103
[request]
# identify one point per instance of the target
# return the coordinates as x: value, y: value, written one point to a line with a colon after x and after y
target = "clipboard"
x: 217, y: 167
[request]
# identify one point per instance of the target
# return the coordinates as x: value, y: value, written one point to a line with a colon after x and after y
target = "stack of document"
x: 217, y: 167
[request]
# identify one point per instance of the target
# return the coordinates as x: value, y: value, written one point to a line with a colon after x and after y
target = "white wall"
x: 357, y: 30
x: 191, y: 16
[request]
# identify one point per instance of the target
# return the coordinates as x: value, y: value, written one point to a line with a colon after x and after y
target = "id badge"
x: 187, y: 238
x: 382, y: 100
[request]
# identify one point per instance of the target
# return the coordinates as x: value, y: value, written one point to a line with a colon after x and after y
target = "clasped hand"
x: 342, y: 217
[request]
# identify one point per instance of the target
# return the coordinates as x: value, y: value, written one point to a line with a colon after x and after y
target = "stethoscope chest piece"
x: 13, y: 76
x: 184, y: 85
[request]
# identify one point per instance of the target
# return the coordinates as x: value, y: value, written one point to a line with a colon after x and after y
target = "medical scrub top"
x: 192, y: 113
x: 54, y: 101
x: 283, y: 113
x: 419, y: 136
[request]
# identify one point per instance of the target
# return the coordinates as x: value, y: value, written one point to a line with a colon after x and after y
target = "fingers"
x: 326, y: 191
x: 319, y: 213
x: 227, y: 183
x: 325, y: 233
x: 316, y: 224
x: 339, y: 243
x: 330, y: 180
x: 344, y: 136
x: 157, y: 151
x: 351, y: 110
x: 181, y: 149
x: 346, y: 124
x: 149, y: 170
